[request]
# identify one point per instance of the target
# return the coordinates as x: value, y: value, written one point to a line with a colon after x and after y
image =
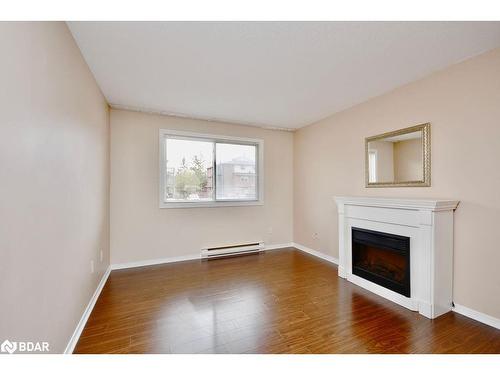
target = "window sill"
x: 210, y: 204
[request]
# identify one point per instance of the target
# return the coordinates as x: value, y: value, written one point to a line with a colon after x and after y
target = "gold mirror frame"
x: 426, y: 152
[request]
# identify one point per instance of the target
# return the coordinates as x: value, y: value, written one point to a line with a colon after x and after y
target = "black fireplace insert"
x: 382, y: 258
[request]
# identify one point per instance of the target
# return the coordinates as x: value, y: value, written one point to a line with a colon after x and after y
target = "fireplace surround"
x: 422, y: 279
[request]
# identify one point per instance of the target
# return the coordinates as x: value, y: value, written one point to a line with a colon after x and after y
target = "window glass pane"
x: 236, y: 172
x: 189, y: 170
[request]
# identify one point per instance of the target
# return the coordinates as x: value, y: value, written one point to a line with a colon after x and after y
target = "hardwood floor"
x: 281, y: 301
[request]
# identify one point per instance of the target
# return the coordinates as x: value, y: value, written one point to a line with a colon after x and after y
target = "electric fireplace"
x: 382, y: 258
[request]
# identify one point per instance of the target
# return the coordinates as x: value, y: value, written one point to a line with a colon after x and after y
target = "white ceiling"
x: 273, y: 74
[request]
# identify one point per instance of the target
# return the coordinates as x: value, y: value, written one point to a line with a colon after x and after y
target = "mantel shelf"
x: 401, y: 203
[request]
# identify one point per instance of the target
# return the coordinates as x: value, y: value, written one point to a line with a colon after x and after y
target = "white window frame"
x: 168, y: 133
x: 372, y: 167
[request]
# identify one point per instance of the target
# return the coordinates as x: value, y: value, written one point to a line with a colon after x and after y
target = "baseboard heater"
x: 232, y: 250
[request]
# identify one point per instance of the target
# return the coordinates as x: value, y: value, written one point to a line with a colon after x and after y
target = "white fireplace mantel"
x: 429, y: 225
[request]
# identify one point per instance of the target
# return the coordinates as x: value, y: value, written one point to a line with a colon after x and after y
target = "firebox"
x: 382, y: 258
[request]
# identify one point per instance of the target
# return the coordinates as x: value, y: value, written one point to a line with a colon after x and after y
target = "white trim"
x: 409, y: 204
x: 209, y: 136
x: 86, y: 314
x: 212, y: 204
x: 315, y: 253
x: 214, y: 138
x: 476, y: 315
x: 181, y: 258
x: 152, y: 262
x: 278, y: 246
x: 195, y: 117
x: 409, y: 303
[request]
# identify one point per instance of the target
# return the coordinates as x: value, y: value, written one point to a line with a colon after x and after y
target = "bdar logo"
x: 8, y: 347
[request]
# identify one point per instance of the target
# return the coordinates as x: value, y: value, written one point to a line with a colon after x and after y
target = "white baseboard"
x: 278, y: 246
x: 316, y: 253
x: 86, y: 314
x: 476, y: 315
x: 152, y: 262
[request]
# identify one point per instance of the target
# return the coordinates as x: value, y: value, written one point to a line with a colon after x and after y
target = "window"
x: 372, y: 166
x: 200, y: 170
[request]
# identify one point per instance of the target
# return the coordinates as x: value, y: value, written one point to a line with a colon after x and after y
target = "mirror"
x: 399, y: 158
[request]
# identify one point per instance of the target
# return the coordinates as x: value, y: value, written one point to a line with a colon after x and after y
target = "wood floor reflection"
x: 278, y: 302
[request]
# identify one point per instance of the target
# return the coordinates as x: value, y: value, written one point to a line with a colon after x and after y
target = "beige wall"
x: 463, y: 105
x: 54, y: 157
x: 141, y: 231
x: 408, y: 164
